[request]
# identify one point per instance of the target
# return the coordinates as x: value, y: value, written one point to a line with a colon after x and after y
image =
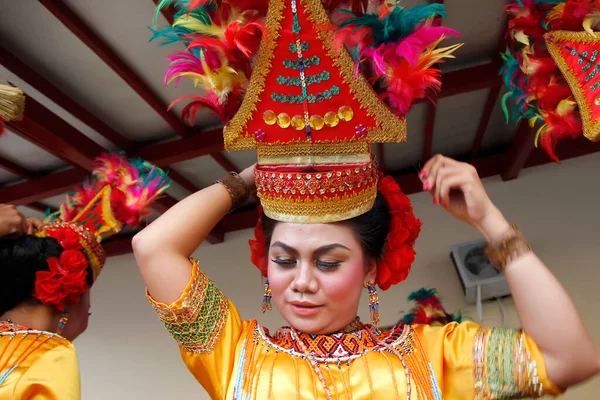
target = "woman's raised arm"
x: 163, y: 248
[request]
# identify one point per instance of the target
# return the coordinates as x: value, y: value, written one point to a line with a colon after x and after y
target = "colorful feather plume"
x: 538, y: 90
x: 399, y: 46
x: 394, y: 47
x: 221, y: 41
x: 135, y: 185
x: 428, y: 310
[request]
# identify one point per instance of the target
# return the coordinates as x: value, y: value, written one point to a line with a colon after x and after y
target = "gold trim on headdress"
x: 591, y: 128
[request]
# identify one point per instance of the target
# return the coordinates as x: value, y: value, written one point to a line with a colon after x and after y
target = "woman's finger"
x: 444, y: 173
x: 429, y: 173
x: 454, y: 181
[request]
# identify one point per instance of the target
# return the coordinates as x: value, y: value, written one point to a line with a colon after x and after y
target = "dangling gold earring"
x: 373, y: 302
x: 62, y: 322
x: 266, y: 303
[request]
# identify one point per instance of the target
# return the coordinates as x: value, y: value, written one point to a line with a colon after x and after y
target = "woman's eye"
x: 326, y: 265
x: 284, y: 262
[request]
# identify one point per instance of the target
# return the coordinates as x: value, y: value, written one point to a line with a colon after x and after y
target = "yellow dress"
x: 37, y: 365
x: 237, y: 359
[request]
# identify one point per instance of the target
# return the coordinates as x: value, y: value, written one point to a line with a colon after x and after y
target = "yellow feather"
x: 557, y: 12
x: 565, y: 107
x: 521, y: 37
x: 433, y: 55
x: 589, y: 22
x: 194, y: 24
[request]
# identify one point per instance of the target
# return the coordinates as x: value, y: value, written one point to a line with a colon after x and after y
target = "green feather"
x: 422, y: 294
x: 400, y: 23
x: 505, y: 106
x: 159, y: 6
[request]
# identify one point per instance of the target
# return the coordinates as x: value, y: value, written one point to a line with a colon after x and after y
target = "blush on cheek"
x: 348, y: 279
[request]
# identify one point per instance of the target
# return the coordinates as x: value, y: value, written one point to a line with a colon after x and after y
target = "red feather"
x: 560, y: 127
x: 527, y: 18
x: 572, y: 15
x: 406, y: 83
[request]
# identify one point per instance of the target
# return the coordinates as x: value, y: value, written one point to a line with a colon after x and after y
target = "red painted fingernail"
x: 435, y: 200
x: 423, y: 173
x: 445, y: 204
x: 426, y: 185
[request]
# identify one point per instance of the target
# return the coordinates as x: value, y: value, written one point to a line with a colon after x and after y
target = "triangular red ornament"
x: 577, y: 54
x: 334, y: 106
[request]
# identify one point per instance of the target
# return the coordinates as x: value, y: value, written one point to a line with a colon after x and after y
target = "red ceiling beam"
x: 48, y: 131
x: 224, y: 162
x: 16, y: 169
x: 470, y: 79
x: 37, y: 206
x: 183, y: 181
x: 26, y: 73
x: 42, y: 187
x: 201, y: 144
x: 80, y: 29
x: 520, y: 150
x: 428, y: 132
x: 490, y: 103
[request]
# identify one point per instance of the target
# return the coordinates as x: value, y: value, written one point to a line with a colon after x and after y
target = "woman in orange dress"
x: 332, y: 226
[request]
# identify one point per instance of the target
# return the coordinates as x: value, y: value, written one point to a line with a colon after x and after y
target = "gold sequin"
x: 284, y: 120
x: 317, y: 122
x: 331, y: 119
x: 346, y: 113
x: 298, y: 122
x: 270, y: 117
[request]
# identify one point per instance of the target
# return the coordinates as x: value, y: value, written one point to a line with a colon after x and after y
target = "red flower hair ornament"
x: 66, y: 280
x: 398, y: 252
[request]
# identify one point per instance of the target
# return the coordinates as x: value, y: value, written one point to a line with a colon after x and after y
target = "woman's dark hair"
x: 20, y: 259
x: 371, y: 228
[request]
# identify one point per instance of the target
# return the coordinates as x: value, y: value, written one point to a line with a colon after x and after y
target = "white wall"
x: 127, y: 354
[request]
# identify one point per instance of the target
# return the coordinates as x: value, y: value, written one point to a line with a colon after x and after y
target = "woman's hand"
x: 457, y: 187
x: 12, y: 222
x: 247, y: 176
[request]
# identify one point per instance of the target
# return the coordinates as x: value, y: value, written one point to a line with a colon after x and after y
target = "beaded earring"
x: 266, y: 303
x: 373, y: 302
x: 62, y: 322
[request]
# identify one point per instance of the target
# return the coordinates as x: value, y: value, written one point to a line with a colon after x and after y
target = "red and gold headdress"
x: 328, y: 80
x: 118, y: 194
x: 552, y: 68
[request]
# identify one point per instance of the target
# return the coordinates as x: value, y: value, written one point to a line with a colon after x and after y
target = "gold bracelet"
x: 512, y: 246
x: 236, y: 188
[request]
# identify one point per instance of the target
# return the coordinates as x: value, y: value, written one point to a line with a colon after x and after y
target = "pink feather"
x: 414, y: 44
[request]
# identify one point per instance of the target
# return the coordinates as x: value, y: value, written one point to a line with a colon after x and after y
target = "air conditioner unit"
x: 479, y: 279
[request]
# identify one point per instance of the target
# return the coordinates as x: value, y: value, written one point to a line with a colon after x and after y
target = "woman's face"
x: 78, y: 318
x: 317, y: 273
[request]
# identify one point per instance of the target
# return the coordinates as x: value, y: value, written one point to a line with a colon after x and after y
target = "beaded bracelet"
x: 236, y: 188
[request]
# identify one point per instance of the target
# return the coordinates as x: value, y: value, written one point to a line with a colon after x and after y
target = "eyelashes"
x: 322, y: 265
